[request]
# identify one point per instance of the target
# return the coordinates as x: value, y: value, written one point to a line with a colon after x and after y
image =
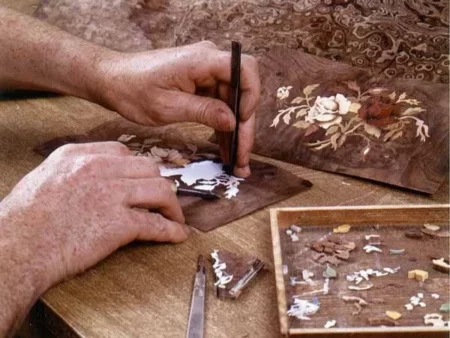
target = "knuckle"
x: 89, y: 165
x: 251, y: 61
x: 66, y: 149
x: 208, y: 44
x: 120, y: 147
x: 159, y: 224
x: 165, y: 185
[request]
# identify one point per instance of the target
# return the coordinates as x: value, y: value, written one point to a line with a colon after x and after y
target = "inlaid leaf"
x: 372, y: 130
x: 334, y: 138
x: 354, y: 107
x: 397, y: 135
x: 332, y: 130
x: 353, y: 86
x: 413, y: 111
x: 412, y: 102
x: 276, y: 120
x: 393, y: 126
x: 309, y: 89
x: 389, y: 135
x: 312, y: 129
x: 392, y: 96
x: 301, y: 124
x: 287, y: 118
x: 301, y: 112
x: 298, y: 100
x: 322, y: 146
x: 341, y: 140
x: 401, y: 97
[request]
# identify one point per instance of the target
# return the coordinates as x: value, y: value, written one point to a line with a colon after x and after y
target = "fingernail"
x: 187, y: 229
x: 174, y: 187
x: 226, y: 121
x: 242, y: 171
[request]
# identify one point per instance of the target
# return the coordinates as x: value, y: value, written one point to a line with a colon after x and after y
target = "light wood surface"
x: 144, y: 290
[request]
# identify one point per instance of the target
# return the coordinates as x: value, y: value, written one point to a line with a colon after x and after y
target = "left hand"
x: 180, y: 85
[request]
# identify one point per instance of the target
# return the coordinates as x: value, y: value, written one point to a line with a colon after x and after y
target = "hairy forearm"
x: 38, y: 56
x: 21, y: 280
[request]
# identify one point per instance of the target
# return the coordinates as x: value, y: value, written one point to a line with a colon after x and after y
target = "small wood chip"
x: 445, y: 308
x: 329, y: 272
x: 414, y: 234
x: 381, y: 321
x: 343, y: 255
x: 342, y: 229
x: 420, y: 275
x: 393, y: 315
x: 441, y: 265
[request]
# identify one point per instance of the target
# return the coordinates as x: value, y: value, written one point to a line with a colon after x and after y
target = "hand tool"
x: 197, y: 312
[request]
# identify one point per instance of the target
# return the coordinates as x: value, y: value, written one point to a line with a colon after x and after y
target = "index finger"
x: 218, y: 66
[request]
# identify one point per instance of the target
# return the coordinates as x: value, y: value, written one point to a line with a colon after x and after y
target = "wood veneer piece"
x: 267, y: 184
x: 407, y: 161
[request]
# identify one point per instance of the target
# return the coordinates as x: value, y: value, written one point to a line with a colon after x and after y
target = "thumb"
x: 211, y: 112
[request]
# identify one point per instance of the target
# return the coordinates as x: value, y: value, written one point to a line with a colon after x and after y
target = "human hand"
x: 81, y: 204
x: 180, y: 84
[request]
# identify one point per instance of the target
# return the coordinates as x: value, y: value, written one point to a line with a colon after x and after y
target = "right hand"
x: 83, y: 203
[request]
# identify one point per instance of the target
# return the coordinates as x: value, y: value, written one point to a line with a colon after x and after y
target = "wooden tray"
x: 390, y: 222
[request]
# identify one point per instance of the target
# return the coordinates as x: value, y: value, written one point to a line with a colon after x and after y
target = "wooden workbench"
x: 144, y: 289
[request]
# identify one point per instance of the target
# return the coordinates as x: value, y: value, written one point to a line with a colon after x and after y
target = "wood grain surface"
x: 267, y: 184
x: 407, y: 161
x: 389, y: 292
x: 391, y: 41
x: 144, y: 289
x: 397, y: 39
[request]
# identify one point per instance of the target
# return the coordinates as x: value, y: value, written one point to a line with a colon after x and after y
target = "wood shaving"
x: 125, y: 138
x: 360, y: 288
x: 302, y: 309
x: 409, y: 307
x: 357, y: 302
x: 432, y: 227
x: 222, y: 278
x: 396, y: 251
x: 435, y: 319
x: 330, y: 324
x: 371, y: 248
x: 296, y: 228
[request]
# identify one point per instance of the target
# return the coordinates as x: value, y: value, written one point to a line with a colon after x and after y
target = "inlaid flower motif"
x: 378, y: 113
x: 375, y: 115
x: 328, y: 111
x: 283, y: 92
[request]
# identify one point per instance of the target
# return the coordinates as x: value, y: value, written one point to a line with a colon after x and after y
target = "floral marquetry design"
x: 376, y: 115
